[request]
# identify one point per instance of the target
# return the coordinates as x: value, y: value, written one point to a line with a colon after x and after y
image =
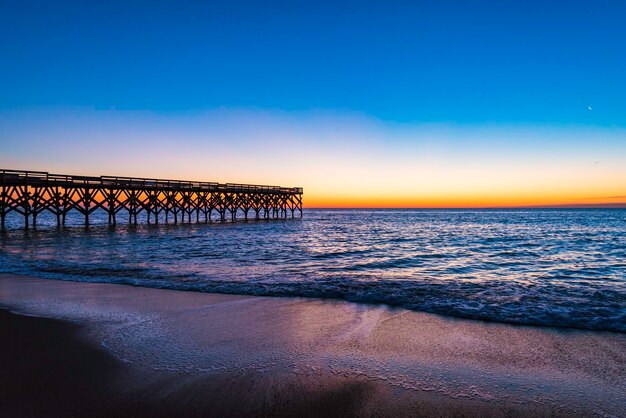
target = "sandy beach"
x: 89, y: 349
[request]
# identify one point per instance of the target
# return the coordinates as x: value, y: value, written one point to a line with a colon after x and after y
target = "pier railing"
x: 30, y: 193
x: 42, y: 177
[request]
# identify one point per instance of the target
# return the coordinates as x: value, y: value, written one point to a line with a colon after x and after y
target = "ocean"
x: 547, y: 267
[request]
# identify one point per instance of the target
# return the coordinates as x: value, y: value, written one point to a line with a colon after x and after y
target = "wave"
x: 531, y: 304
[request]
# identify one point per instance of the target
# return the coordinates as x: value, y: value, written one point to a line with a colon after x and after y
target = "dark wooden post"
x: 26, y: 205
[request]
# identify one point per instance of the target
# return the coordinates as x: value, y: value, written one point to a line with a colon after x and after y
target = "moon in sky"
x: 589, y: 108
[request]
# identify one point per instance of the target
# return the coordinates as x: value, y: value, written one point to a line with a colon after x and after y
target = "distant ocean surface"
x: 548, y: 267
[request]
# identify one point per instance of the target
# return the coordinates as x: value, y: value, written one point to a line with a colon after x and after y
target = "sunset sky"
x: 399, y: 104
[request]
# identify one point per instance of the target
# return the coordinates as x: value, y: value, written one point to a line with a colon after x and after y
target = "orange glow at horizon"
x: 472, y: 198
x: 464, y: 185
x: 450, y: 202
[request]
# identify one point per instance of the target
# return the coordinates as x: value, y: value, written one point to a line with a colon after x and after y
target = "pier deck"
x: 30, y: 193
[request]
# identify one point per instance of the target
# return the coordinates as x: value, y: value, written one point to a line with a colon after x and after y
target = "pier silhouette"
x: 30, y: 193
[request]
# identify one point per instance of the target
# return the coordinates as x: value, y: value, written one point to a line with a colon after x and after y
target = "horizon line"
x: 557, y: 206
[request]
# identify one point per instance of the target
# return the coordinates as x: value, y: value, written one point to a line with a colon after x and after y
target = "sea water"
x: 550, y: 267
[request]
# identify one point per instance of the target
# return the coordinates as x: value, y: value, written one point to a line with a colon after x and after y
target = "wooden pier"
x: 30, y: 193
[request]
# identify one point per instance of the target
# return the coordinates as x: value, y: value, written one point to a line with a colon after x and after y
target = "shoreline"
x: 230, y: 355
x: 374, y: 304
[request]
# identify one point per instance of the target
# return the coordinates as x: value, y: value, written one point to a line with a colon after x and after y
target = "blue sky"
x: 452, y: 102
x: 429, y: 61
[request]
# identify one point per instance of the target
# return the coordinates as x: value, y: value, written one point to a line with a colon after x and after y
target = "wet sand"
x: 114, y: 350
